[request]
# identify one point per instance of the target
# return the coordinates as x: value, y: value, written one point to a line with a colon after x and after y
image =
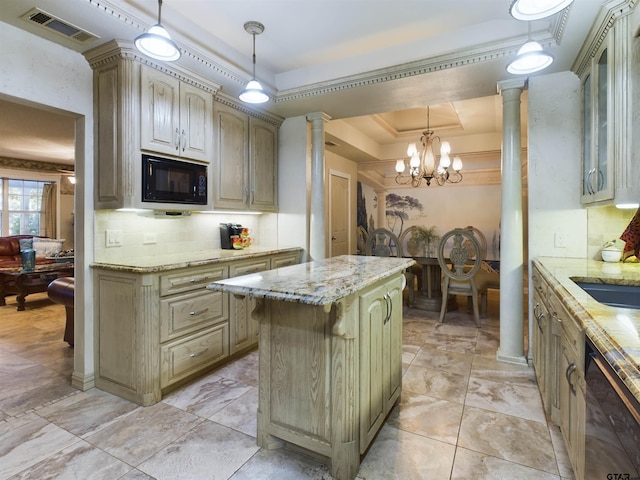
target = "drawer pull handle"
x: 197, y: 354
x: 198, y: 312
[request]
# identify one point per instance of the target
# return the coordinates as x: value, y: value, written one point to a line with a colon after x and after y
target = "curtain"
x: 49, y: 209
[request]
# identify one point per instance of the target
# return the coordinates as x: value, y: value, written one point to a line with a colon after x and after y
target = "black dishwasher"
x: 612, y: 430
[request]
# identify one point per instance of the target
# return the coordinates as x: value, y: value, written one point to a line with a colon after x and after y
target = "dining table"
x: 429, y: 296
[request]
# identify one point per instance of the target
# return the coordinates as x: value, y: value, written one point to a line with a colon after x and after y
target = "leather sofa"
x: 10, y: 252
x: 61, y: 290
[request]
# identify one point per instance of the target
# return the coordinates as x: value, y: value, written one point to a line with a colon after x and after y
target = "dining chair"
x: 490, y: 276
x: 412, y: 248
x: 384, y: 243
x: 460, y: 258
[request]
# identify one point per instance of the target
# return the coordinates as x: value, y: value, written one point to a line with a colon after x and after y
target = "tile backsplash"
x: 605, y: 224
x: 143, y: 235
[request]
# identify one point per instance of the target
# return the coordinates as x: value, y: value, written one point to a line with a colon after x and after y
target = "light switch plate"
x: 149, y: 238
x: 560, y: 240
x: 113, y: 238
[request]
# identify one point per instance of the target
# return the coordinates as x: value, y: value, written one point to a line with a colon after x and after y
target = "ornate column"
x: 381, y: 220
x: 511, y: 232
x: 317, y: 226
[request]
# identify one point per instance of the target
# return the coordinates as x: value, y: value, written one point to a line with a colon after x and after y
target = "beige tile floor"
x: 462, y: 414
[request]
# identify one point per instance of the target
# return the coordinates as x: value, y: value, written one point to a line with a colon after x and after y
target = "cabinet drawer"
x: 285, y: 259
x: 182, y: 358
x: 184, y: 281
x: 189, y: 312
x: 246, y: 267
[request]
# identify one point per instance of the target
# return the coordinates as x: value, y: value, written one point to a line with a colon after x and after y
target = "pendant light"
x: 156, y: 42
x: 530, y: 58
x: 536, y: 9
x: 253, y: 92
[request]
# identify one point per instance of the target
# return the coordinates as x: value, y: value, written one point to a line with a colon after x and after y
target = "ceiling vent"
x: 54, y: 24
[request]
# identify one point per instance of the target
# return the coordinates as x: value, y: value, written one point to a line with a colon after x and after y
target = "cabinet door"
x: 380, y: 356
x: 196, y: 107
x: 572, y: 409
x: 598, y: 128
x: 243, y: 328
x: 263, y: 145
x: 160, y: 116
x: 231, y: 174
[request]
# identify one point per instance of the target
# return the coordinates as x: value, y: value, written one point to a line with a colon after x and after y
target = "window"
x: 20, y: 206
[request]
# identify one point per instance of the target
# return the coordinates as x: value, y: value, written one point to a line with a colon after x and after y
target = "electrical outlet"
x: 149, y: 238
x: 560, y: 240
x: 113, y: 238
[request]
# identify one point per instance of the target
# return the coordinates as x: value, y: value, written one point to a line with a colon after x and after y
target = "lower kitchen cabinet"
x: 380, y: 357
x: 244, y: 329
x: 560, y: 354
x: 157, y: 330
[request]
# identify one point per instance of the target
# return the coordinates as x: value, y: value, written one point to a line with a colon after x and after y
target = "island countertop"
x: 321, y: 282
x: 614, y: 331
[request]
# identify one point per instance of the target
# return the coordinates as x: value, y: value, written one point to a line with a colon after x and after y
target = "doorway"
x: 339, y: 213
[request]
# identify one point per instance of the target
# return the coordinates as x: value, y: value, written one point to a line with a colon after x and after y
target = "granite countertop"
x: 614, y: 331
x: 174, y: 261
x: 321, y: 282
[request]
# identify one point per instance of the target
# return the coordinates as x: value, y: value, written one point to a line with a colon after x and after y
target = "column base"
x: 519, y: 360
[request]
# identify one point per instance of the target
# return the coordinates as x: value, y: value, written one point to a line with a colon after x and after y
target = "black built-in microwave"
x: 173, y: 181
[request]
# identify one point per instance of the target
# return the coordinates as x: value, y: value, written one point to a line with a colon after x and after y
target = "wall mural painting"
x: 433, y: 213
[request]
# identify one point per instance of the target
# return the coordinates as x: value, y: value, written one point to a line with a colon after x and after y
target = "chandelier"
x: 423, y: 165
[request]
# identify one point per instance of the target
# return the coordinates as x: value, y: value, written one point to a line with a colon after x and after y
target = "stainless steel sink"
x: 626, y: 296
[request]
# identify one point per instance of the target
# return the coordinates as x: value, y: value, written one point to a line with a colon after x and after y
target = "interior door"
x: 339, y: 214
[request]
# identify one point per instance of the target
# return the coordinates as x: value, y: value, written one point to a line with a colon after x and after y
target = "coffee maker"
x: 228, y: 230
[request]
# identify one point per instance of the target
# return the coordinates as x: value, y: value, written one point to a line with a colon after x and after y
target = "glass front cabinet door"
x: 597, y: 148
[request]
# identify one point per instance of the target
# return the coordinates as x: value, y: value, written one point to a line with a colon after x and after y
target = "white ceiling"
x: 347, y: 58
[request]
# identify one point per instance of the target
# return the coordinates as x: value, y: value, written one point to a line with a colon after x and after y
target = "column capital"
x: 511, y: 84
x: 318, y: 116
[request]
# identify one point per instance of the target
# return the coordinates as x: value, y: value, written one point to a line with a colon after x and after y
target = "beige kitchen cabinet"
x: 156, y: 330
x: 176, y: 118
x: 541, y: 337
x: 244, y: 328
x: 563, y: 387
x: 598, y: 128
x: 245, y: 173
x: 546, y: 345
x: 380, y: 357
x: 606, y: 64
x: 141, y: 106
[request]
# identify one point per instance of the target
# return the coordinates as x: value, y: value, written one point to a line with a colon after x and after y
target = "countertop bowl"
x: 611, y: 255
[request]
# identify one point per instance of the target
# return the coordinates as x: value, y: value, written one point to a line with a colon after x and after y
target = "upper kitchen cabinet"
x: 606, y: 66
x: 597, y: 149
x: 142, y: 106
x: 176, y: 116
x: 246, y: 167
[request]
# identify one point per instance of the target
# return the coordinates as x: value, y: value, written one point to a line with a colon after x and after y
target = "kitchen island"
x: 330, y: 353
